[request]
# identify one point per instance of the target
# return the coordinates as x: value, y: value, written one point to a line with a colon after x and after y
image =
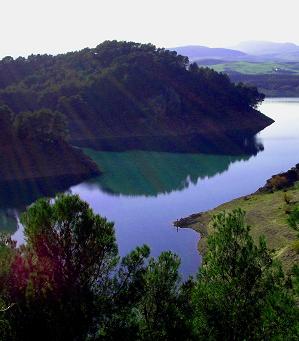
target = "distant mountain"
x: 196, y: 52
x: 266, y: 48
x: 250, y: 51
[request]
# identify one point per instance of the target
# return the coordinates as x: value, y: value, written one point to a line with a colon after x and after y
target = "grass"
x: 266, y: 214
x: 252, y: 68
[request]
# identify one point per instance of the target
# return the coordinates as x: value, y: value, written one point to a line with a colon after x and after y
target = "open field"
x: 254, y: 68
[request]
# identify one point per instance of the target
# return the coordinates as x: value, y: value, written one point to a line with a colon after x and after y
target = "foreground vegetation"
x: 68, y: 283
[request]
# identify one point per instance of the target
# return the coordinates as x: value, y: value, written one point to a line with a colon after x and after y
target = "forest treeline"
x: 129, y: 90
x: 69, y: 283
x: 272, y: 85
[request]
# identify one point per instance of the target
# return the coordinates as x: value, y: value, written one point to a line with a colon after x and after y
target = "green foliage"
x: 273, y: 85
x: 105, y: 90
x: 240, y: 292
x: 42, y: 125
x: 67, y: 262
x: 287, y: 198
x: 6, y: 117
x: 161, y: 316
x: 68, y: 283
x: 7, y: 252
x: 250, y: 95
x: 120, y: 320
x: 148, y: 301
x: 275, y: 79
x: 295, y: 246
x: 6, y: 332
x: 293, y: 219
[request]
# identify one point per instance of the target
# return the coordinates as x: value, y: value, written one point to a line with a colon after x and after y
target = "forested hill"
x: 123, y: 95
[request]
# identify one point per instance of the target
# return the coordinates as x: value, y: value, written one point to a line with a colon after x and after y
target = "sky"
x: 56, y: 26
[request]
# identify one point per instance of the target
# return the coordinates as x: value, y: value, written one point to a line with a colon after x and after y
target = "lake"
x: 144, y: 192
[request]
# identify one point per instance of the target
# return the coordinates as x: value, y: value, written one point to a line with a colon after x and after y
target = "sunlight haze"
x: 62, y: 25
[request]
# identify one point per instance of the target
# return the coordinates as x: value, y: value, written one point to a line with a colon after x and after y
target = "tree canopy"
x: 68, y: 283
x: 123, y: 90
x: 41, y: 125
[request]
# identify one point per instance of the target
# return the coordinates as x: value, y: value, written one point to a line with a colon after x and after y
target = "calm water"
x: 144, y: 192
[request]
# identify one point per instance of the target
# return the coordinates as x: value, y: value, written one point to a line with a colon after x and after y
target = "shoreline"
x: 266, y: 213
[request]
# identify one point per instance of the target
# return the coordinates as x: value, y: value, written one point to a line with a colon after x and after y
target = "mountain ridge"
x: 258, y: 51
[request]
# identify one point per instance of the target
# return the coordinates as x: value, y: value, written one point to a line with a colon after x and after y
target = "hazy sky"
x: 53, y: 26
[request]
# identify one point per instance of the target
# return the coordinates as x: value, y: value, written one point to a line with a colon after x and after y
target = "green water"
x: 145, y: 192
x: 136, y: 173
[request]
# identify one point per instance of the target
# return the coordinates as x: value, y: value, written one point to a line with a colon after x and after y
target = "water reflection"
x: 15, y: 196
x: 133, y: 173
x: 9, y: 220
x: 136, y: 173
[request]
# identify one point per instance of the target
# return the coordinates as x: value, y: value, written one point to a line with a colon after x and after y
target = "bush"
x: 278, y: 182
x: 295, y: 246
x: 293, y: 219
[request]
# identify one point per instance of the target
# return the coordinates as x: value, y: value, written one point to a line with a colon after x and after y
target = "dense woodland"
x: 273, y: 85
x: 69, y: 283
x: 127, y: 95
x: 34, y: 147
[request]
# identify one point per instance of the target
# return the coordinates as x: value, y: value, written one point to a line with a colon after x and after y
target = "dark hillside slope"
x: 122, y: 96
x: 35, y: 154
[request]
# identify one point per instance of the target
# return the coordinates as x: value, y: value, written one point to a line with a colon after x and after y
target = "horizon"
x: 166, y: 47
x: 60, y: 26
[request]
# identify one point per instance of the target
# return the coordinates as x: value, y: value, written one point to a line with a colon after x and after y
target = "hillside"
x: 31, y: 170
x: 277, y: 84
x: 266, y: 213
x: 270, y: 49
x: 272, y: 67
x: 36, y: 158
x: 274, y: 79
x: 122, y: 96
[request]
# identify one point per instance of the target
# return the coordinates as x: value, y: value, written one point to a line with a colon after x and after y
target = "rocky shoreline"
x: 281, y: 181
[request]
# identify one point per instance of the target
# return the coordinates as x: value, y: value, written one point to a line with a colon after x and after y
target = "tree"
x: 7, y: 253
x: 42, y: 125
x: 66, y: 263
x: 161, y: 311
x: 6, y: 117
x: 250, y: 94
x: 120, y: 318
x: 68, y: 283
x: 193, y: 67
x: 240, y: 292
